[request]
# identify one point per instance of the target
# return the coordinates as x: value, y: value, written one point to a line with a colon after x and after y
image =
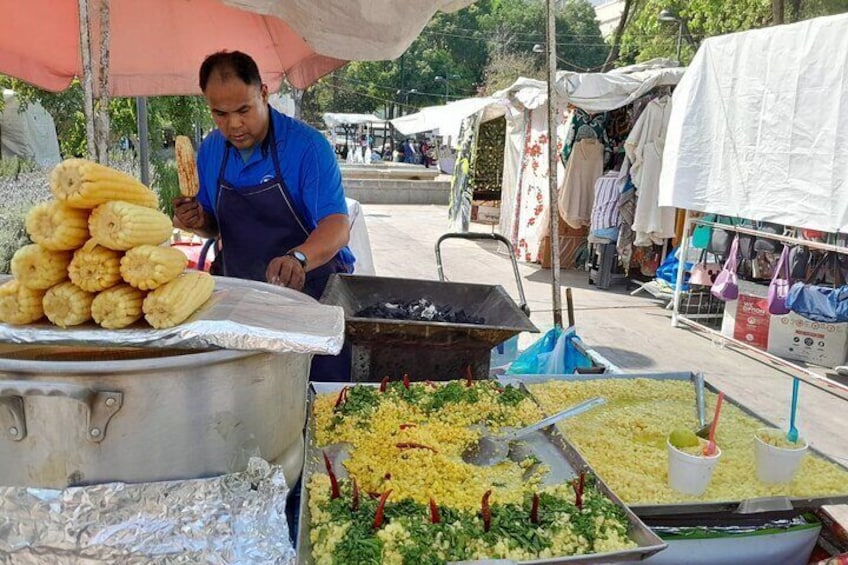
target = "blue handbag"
x: 820, y: 303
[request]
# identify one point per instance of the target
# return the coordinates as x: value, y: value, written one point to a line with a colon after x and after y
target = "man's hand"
x: 286, y: 271
x: 190, y: 214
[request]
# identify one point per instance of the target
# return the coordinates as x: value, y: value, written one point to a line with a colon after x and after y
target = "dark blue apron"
x: 258, y: 223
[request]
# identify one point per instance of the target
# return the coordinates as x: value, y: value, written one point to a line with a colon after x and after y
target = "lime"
x: 683, y: 438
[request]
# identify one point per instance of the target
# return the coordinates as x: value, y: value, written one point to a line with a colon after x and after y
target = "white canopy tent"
x: 759, y: 127
x: 446, y: 119
x: 524, y: 195
x: 339, y: 119
x: 28, y: 134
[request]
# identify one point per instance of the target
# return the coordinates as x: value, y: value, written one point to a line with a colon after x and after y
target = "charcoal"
x: 421, y: 310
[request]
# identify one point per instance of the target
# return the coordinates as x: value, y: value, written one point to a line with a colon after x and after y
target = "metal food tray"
x: 549, y: 445
x: 748, y: 506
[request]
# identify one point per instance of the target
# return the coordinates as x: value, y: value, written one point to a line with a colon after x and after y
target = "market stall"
x: 762, y: 161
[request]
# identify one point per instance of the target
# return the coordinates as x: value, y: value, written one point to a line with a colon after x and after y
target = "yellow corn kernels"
x: 149, y: 266
x: 186, y: 167
x: 173, y: 302
x: 19, y: 304
x: 117, y: 307
x: 94, y: 267
x: 121, y: 226
x: 84, y: 184
x: 39, y: 268
x: 58, y: 227
x: 66, y: 304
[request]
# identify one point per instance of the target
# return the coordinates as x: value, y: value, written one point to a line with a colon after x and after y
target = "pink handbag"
x: 704, y: 273
x: 779, y: 286
x: 726, y: 285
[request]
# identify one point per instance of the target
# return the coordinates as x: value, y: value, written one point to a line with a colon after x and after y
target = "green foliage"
x: 645, y: 37
x: 489, y: 43
x: 12, y: 167
x: 165, y: 182
x: 166, y: 114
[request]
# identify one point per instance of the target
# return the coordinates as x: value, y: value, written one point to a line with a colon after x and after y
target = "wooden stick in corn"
x: 172, y: 303
x: 94, y: 267
x: 186, y: 167
x: 80, y: 183
x: 66, y: 305
x: 20, y: 305
x: 121, y: 226
x: 39, y: 268
x: 117, y: 307
x: 57, y: 226
x: 149, y: 266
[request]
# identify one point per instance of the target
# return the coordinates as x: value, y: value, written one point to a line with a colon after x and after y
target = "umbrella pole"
x: 552, y: 165
x: 87, y: 78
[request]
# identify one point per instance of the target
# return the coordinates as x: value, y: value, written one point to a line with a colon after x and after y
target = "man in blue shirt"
x: 270, y: 186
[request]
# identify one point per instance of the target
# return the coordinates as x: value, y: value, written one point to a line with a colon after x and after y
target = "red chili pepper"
x: 486, y: 511
x: 374, y: 495
x: 434, y: 512
x: 578, y: 491
x: 534, y: 511
x: 378, y: 517
x: 355, y: 504
x: 500, y: 389
x: 384, y: 384
x: 334, y: 483
x: 413, y: 445
x: 468, y: 380
x: 342, y: 397
x: 388, y: 476
x: 406, y: 381
x: 406, y: 426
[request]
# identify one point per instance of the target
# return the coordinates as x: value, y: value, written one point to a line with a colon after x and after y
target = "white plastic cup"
x: 690, y: 474
x: 777, y: 465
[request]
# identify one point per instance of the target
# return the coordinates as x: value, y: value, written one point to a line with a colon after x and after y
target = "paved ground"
x: 633, y: 332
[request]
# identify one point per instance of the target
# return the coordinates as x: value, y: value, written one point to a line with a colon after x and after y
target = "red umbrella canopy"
x: 156, y: 46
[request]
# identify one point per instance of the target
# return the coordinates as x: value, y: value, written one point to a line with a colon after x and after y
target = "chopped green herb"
x: 511, y: 395
x: 360, y: 400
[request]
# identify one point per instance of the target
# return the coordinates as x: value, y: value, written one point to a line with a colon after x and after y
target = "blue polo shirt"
x: 307, y: 163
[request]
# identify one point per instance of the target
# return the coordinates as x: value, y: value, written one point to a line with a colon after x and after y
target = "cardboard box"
x: 791, y: 337
x: 485, y: 212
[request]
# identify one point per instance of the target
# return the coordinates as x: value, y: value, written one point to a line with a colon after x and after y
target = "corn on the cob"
x: 186, y: 167
x: 94, y: 267
x: 84, y: 184
x: 57, y: 226
x: 117, y: 307
x: 19, y: 304
x: 121, y: 226
x: 66, y: 304
x: 39, y: 268
x: 173, y: 302
x: 149, y: 266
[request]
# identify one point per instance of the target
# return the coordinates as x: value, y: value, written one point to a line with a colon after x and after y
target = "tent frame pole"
x: 552, y: 164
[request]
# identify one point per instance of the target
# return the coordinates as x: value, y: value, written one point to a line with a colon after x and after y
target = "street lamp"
x: 406, y: 94
x: 446, y: 80
x: 670, y: 16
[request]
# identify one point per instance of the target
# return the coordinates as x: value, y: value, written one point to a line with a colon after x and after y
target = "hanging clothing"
x: 644, y: 148
x: 583, y: 125
x: 584, y: 167
x: 605, y: 209
x: 626, y: 213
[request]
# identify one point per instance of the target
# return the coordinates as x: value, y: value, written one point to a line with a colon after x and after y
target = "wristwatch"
x: 301, y: 258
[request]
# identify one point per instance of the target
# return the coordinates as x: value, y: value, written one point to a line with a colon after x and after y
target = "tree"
x: 645, y: 37
x: 503, y: 69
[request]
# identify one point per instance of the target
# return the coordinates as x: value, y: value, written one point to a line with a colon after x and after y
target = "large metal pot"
x: 72, y: 415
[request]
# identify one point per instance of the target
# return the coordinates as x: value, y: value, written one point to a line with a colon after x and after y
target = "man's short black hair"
x: 239, y: 64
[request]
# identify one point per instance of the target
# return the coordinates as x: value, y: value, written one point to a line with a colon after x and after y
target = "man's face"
x: 239, y: 110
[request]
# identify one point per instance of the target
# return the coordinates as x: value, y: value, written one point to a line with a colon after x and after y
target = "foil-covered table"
x: 236, y: 518
x: 240, y: 315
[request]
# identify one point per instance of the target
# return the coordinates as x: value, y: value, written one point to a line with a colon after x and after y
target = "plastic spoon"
x: 793, y: 431
x: 711, y: 446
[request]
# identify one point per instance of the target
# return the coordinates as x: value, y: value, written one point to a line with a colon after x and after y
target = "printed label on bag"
x: 752, y: 321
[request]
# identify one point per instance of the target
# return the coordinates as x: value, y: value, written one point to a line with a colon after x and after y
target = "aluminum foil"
x: 238, y: 518
x: 241, y: 315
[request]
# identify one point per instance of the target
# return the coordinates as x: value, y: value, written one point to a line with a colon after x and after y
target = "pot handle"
x: 102, y: 405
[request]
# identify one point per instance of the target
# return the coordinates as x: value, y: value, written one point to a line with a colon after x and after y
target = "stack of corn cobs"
x: 97, y: 254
